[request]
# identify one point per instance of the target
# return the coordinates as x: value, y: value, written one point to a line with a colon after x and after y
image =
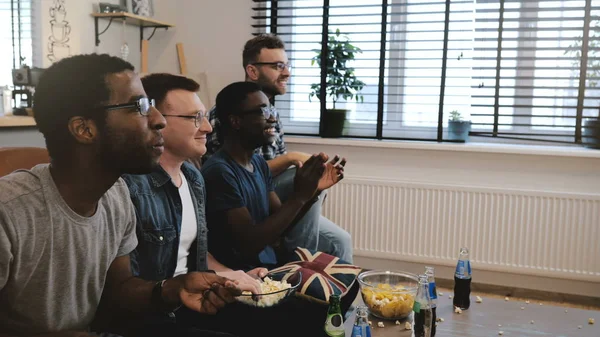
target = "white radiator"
x: 524, y: 232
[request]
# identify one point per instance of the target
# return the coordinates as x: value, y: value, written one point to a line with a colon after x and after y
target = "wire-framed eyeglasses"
x: 197, y: 117
x: 275, y: 65
x: 142, y: 105
x: 266, y: 111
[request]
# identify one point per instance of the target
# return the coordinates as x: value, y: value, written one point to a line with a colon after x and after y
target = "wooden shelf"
x: 135, y: 20
x: 130, y: 19
x: 16, y: 121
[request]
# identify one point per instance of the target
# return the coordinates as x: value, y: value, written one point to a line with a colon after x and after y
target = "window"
x: 15, y: 37
x: 510, y: 66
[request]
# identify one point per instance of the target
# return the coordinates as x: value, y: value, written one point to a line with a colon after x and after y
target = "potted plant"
x: 341, y: 81
x: 591, y: 132
x: 590, y: 126
x: 458, y: 128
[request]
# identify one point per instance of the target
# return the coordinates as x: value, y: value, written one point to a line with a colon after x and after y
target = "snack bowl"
x: 277, y: 287
x: 388, y: 294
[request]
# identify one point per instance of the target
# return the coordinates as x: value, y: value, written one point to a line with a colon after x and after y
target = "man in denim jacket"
x: 170, y: 201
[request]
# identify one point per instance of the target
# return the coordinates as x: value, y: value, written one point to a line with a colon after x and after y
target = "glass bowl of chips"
x: 388, y: 294
x: 276, y: 287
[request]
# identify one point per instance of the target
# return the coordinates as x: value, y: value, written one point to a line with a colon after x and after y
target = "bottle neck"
x: 334, y: 307
x: 423, y: 293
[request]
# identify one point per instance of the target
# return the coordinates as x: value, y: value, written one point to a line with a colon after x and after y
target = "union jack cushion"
x: 322, y: 274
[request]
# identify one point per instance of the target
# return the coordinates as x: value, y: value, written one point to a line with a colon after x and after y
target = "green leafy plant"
x: 341, y: 80
x: 455, y: 116
x: 593, y: 66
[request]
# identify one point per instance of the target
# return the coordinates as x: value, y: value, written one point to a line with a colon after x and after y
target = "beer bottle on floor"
x: 334, y: 324
x: 423, y: 317
x: 432, y: 296
x: 462, y: 280
x: 361, y: 326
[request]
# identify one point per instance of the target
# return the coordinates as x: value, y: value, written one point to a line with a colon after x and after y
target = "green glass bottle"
x: 334, y: 325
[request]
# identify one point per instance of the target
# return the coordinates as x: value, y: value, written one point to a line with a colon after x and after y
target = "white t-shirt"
x: 189, y: 227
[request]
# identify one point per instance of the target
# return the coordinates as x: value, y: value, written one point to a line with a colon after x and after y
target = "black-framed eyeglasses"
x: 142, y: 105
x: 266, y: 111
x: 197, y: 117
x: 275, y: 65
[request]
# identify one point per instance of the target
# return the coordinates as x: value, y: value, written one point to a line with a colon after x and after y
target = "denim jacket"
x: 158, y: 211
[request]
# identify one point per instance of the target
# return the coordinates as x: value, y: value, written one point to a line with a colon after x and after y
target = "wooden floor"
x: 483, y: 319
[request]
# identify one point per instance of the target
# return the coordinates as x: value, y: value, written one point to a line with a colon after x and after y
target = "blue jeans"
x: 314, y: 231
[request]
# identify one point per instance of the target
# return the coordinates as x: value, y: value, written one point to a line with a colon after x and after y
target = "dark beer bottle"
x: 433, y: 296
x: 462, y: 280
x: 423, y: 317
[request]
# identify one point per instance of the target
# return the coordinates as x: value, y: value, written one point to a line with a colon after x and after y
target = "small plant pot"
x: 333, y: 121
x: 459, y: 130
x: 591, y: 133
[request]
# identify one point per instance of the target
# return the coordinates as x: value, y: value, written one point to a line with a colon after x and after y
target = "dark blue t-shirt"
x: 229, y: 186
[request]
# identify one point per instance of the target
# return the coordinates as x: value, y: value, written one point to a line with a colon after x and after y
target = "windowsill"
x: 10, y: 121
x: 536, y: 150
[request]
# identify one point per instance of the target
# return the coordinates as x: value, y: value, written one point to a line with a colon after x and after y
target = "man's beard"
x: 253, y: 140
x: 268, y: 87
x: 124, y: 153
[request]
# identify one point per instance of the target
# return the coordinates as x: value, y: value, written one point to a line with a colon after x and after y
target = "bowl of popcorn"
x: 275, y: 287
x: 388, y: 294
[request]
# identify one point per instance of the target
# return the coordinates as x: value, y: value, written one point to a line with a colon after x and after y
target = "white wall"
x: 213, y: 33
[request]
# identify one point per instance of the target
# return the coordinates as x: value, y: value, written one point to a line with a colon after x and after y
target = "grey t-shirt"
x: 53, y: 262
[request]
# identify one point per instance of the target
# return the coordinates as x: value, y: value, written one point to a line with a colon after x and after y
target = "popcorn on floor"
x: 407, y: 326
x: 397, y: 322
x: 591, y: 321
x: 380, y: 324
x: 457, y: 310
x: 500, y: 333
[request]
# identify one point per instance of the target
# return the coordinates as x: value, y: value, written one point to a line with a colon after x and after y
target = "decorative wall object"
x: 139, y: 7
x: 58, y: 41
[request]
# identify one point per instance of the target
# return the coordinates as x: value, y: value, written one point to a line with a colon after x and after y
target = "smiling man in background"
x: 246, y: 217
x: 266, y: 63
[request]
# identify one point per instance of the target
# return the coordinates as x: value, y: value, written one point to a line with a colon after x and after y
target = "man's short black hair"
x: 74, y: 86
x: 157, y: 86
x: 231, y: 100
x: 253, y: 47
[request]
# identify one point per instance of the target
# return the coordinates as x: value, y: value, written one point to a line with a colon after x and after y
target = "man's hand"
x: 205, y: 292
x: 297, y: 158
x: 334, y: 172
x: 307, y: 177
x: 258, y: 272
x: 246, y: 281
